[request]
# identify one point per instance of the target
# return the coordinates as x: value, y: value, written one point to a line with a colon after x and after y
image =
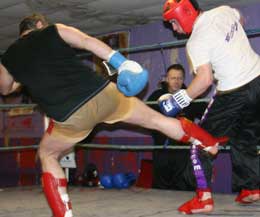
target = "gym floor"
x: 132, y: 202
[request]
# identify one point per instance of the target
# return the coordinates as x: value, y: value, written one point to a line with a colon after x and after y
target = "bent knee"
x: 45, y: 154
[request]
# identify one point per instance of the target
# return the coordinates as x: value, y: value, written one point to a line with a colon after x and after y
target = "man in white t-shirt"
x: 218, y: 49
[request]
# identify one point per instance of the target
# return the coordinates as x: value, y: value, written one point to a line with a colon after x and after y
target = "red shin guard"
x: 206, y: 140
x: 197, y: 205
x: 59, y: 203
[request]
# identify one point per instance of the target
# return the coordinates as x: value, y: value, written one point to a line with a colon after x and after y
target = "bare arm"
x: 7, y: 83
x: 80, y: 40
x: 201, y: 82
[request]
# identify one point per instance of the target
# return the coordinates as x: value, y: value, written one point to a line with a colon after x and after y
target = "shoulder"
x: 225, y: 11
x: 64, y: 29
x: 219, y: 9
x: 50, y: 28
x: 43, y: 34
x: 60, y: 26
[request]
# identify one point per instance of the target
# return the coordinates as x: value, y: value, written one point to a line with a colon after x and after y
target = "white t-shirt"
x: 219, y: 39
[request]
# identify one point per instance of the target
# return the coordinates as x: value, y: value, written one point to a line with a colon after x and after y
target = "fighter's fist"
x: 132, y: 78
x: 172, y: 104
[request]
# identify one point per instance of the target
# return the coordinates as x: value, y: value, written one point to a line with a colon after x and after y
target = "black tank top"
x: 58, y: 81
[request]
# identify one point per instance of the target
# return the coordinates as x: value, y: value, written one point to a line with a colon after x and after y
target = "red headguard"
x: 183, y: 11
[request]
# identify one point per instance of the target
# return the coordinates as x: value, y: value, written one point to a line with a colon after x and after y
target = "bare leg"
x: 50, y: 152
x: 180, y: 130
x: 148, y: 118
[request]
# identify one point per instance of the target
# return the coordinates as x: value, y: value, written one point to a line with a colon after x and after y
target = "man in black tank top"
x: 75, y: 98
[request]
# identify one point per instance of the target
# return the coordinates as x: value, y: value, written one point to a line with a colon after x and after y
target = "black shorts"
x: 236, y: 115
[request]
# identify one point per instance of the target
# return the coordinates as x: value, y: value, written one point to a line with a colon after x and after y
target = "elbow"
x: 208, y: 80
x: 208, y: 83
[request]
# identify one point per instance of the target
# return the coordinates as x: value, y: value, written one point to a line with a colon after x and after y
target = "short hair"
x: 164, y: 84
x: 176, y: 67
x: 31, y: 21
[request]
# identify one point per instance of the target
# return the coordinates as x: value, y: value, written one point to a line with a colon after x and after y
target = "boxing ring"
x: 100, y: 202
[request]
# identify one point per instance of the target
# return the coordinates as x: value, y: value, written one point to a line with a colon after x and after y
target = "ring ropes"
x: 113, y: 147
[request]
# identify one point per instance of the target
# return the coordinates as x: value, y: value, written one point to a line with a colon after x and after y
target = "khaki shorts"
x: 108, y: 106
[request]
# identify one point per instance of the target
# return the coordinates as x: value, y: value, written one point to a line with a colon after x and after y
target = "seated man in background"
x: 172, y: 169
x: 174, y: 79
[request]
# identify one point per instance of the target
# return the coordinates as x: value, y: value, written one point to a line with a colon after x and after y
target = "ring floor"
x: 132, y: 202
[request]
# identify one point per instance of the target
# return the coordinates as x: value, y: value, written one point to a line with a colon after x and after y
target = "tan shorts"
x: 108, y: 106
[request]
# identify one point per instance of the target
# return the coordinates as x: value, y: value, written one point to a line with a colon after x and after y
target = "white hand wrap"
x: 182, y: 98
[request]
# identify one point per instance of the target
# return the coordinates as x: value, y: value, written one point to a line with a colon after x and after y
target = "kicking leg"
x: 204, y: 141
x: 180, y: 130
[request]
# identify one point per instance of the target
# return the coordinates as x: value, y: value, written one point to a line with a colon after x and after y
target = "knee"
x: 47, y: 154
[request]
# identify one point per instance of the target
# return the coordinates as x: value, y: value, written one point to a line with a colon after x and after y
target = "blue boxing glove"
x: 123, y: 180
x: 132, y: 78
x: 106, y: 181
x: 172, y: 104
x: 120, y: 181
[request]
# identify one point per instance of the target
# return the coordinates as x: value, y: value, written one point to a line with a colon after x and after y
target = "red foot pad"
x: 196, y: 205
x: 59, y: 203
x: 205, y: 139
x: 248, y: 196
